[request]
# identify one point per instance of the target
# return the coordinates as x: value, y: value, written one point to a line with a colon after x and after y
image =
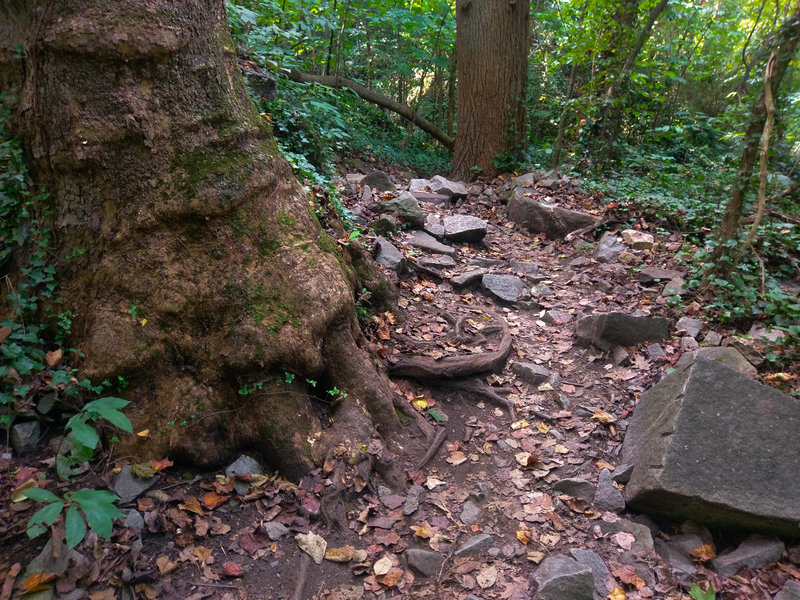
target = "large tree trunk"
x: 492, y: 58
x: 135, y: 119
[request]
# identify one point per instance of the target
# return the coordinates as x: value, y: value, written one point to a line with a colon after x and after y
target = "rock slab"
x: 563, y: 578
x: 619, y: 328
x: 710, y: 445
x: 464, y: 228
x: 507, y: 288
x: 537, y: 217
x: 754, y: 552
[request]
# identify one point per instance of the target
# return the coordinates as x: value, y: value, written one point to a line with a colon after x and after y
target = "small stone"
x: 380, y: 181
x: 25, y: 437
x: 128, y: 487
x: 242, y: 466
x: 470, y: 513
x: 620, y: 356
x: 712, y: 338
x: 607, y: 496
x: 464, y: 280
x: 474, y: 545
x: 425, y: 562
x: 691, y: 326
x: 563, y: 578
x: 608, y: 248
x: 591, y: 559
x: 405, y: 206
x: 686, y: 542
x: 438, y: 263
x: 472, y: 597
x: 655, y: 351
x: 419, y: 185
x: 638, y: 240
x: 507, y: 288
x: 622, y: 474
x: 384, y: 225
x: 388, y: 256
x: 790, y: 591
x: 313, y: 545
x: 578, y: 488
x: 46, y: 562
x: 556, y: 317
x: 274, y: 530
x: 526, y: 267
x: 774, y: 336
x: 676, y: 560
x: 650, y: 274
x: 464, y: 228
x: 424, y: 241
x: 643, y: 539
x: 530, y: 372
x: 675, y: 287
x: 755, y: 552
x: 415, y: 497
x: 440, y: 185
x: 366, y: 194
x: 605, y: 330
x: 746, y: 349
x: 134, y: 520
x: 354, y: 178
x: 689, y: 344
x: 581, y: 261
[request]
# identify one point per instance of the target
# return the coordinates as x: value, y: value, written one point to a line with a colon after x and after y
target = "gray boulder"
x: 613, y: 328
x: 378, y: 180
x: 475, y: 544
x: 453, y: 189
x: 608, y: 248
x: 405, y: 206
x: 437, y: 263
x: 468, y: 278
x: 389, y: 256
x: 579, y: 488
x: 530, y: 372
x: 592, y: 560
x: 506, y: 288
x: 710, y: 444
x: 754, y: 552
x: 730, y: 357
x: 691, y: 326
x: 538, y: 217
x: 464, y: 228
x: 427, y: 242
x: 128, y: 487
x: 25, y: 436
x: 563, y: 578
x: 384, y: 225
x: 607, y: 496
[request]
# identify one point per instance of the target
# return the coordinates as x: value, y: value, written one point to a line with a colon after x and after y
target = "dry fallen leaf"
x: 382, y: 566
x: 231, y: 569
x: 616, y: 594
x: 704, y: 553
x: 165, y: 565
x: 627, y: 575
x: 38, y: 582
x: 53, y: 357
x: 603, y: 417
x: 524, y: 536
x: 212, y: 500
x: 457, y: 458
x: 159, y: 465
x: 424, y: 530
x: 192, y: 505
x: 392, y: 577
x: 106, y: 594
x: 340, y: 555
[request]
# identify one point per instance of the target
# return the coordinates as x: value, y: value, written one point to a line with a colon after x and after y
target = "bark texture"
x: 492, y: 54
x: 135, y: 118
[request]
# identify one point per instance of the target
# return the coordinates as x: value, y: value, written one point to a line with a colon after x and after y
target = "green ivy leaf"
x: 698, y: 593
x: 99, y: 508
x: 43, y: 518
x: 75, y: 527
x: 85, y: 434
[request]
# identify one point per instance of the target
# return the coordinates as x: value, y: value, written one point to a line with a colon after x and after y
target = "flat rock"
x: 563, y: 578
x: 384, y: 225
x: 638, y: 240
x: 691, y: 326
x: 608, y: 248
x: 419, y: 185
x: 25, y: 436
x: 675, y: 287
x: 650, y: 274
x: 475, y: 545
x: 464, y: 228
x: 642, y: 543
x: 790, y: 591
x: 426, y: 242
x: 710, y: 444
x: 405, y: 205
x: 134, y: 520
x: 415, y: 496
x: 523, y: 266
x: 128, y: 487
x: 608, y: 497
x: 453, y: 189
x: 470, y: 513
x: 45, y: 562
x: 527, y: 180
x: 424, y: 562
x: 537, y: 217
x: 530, y: 372
x: 387, y: 255
x: 774, y: 336
x: 712, y: 338
x: 468, y: 278
x: 591, y: 559
x: 507, y: 288
x: 727, y: 356
x: 755, y: 552
x: 378, y: 180
x: 313, y: 545
x: 677, y: 560
x: 576, y: 487
x: 437, y: 263
x: 274, y: 530
x: 556, y: 317
x: 613, y: 328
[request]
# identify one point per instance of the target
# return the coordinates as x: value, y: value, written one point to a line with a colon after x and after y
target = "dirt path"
x: 490, y: 511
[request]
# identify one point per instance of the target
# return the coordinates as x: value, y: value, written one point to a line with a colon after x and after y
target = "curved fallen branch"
x: 369, y: 95
x: 453, y: 367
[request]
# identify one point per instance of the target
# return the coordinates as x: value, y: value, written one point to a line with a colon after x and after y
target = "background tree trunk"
x: 135, y: 119
x: 492, y: 54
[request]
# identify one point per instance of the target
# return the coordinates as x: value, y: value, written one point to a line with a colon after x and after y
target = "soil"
x: 202, y: 540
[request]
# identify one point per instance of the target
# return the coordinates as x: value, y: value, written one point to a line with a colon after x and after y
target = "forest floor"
x: 494, y: 471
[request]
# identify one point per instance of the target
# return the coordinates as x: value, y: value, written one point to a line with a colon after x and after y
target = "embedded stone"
x: 537, y: 217
x: 530, y: 372
x: 378, y: 180
x: 563, y: 578
x: 415, y: 497
x: 453, y: 189
x: 755, y: 552
x: 612, y: 328
x: 592, y: 560
x: 691, y: 326
x: 708, y: 443
x: 424, y: 562
x: 474, y: 545
x: 608, y: 248
x: 388, y: 256
x: 650, y: 274
x: 128, y: 487
x: 464, y: 228
x: 727, y: 356
x: 405, y: 205
x: 424, y: 241
x: 576, y: 487
x: 675, y: 287
x: 507, y: 288
x: 467, y: 278
x: 608, y: 497
x: 384, y: 225
x: 437, y: 263
x: 638, y: 240
x: 790, y: 591
x: 25, y: 436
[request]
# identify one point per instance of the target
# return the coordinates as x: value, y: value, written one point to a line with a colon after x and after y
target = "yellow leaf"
x: 603, y: 417
x: 192, y: 505
x: 616, y: 594
x: 202, y: 553
x: 143, y: 321
x: 340, y: 555
x: 542, y: 428
x: 18, y: 495
x: 704, y: 553
x: 165, y: 565
x: 519, y: 424
x: 424, y: 530
x: 523, y: 536
x: 420, y: 403
x: 144, y: 434
x: 38, y: 582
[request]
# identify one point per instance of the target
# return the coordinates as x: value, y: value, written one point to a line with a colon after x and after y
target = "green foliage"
x: 698, y: 593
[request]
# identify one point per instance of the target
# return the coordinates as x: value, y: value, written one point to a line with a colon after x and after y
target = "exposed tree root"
x: 452, y: 367
x: 302, y: 576
x: 437, y: 441
x: 472, y: 387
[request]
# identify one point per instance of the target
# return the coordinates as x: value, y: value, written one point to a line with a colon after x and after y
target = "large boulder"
x: 405, y: 205
x: 709, y: 444
x: 619, y: 328
x: 378, y: 180
x: 539, y: 217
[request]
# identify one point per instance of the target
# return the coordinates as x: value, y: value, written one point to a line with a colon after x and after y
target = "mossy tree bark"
x: 492, y: 40
x: 135, y: 119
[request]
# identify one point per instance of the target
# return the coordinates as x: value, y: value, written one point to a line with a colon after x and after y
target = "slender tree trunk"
x: 136, y: 120
x: 451, y: 94
x: 492, y: 50
x: 785, y: 44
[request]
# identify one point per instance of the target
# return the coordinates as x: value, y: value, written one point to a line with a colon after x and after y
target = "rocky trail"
x: 521, y: 343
